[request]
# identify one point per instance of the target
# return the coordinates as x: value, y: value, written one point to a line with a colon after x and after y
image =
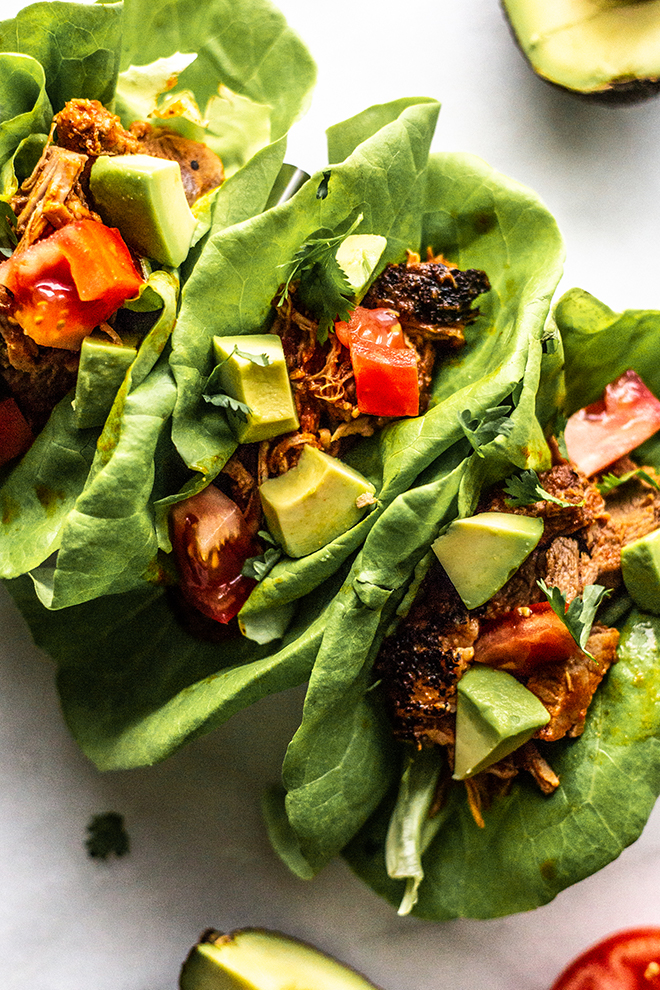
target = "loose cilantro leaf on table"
x: 579, y: 616
x: 496, y: 421
x: 526, y: 489
x: 107, y: 836
x: 323, y: 285
x: 611, y: 481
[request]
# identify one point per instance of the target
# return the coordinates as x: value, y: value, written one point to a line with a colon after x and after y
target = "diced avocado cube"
x: 314, y: 502
x: 255, y: 959
x: 640, y: 568
x: 143, y: 197
x: 100, y: 373
x: 481, y: 553
x: 358, y: 255
x: 263, y: 387
x: 495, y: 714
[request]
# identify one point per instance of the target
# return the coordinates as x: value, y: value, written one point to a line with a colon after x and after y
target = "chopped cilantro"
x: 526, y: 489
x: 579, y: 616
x: 258, y: 567
x: 107, y: 836
x: 214, y: 394
x: 322, y: 191
x: 610, y: 481
x: 323, y: 286
x: 496, y: 421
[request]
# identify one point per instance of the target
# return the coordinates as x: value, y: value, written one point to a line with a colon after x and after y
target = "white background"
x: 199, y: 853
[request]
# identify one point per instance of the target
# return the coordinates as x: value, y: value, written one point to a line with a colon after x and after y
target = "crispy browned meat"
x: 201, y: 169
x: 433, y: 300
x: 86, y: 127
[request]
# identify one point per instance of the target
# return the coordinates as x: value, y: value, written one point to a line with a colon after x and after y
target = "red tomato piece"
x: 68, y: 283
x: 628, y: 960
x: 599, y: 434
x: 15, y: 435
x: 524, y: 639
x: 385, y: 368
x: 211, y: 542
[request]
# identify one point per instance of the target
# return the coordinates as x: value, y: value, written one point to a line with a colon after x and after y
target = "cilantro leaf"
x: 579, y: 616
x: 323, y: 286
x: 263, y: 360
x: 496, y: 421
x: 9, y: 217
x: 258, y: 567
x: 106, y: 836
x: 610, y: 481
x: 214, y: 394
x: 526, y: 489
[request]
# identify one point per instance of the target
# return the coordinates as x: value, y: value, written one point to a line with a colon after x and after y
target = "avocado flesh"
x: 495, y: 715
x: 254, y: 959
x: 609, y: 49
x: 640, y: 569
x: 480, y: 553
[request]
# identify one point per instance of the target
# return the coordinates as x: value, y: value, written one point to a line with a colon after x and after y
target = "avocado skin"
x: 616, y: 94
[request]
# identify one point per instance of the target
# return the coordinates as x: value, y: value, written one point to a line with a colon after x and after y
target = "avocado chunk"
x: 495, y: 714
x: 357, y: 256
x: 609, y: 51
x: 481, y: 553
x: 100, y: 373
x: 144, y: 198
x: 255, y: 959
x: 314, y: 502
x: 640, y: 569
x: 253, y: 371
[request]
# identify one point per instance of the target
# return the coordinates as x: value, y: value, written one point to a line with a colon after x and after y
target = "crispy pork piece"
x: 86, y: 127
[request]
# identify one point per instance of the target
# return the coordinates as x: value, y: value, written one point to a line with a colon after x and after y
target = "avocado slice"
x: 101, y: 371
x: 495, y: 714
x: 357, y: 256
x: 480, y: 553
x: 252, y: 369
x: 143, y: 197
x: 640, y: 569
x: 314, y: 502
x: 256, y: 959
x: 606, y: 49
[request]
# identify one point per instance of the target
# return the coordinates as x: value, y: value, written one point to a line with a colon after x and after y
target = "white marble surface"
x: 199, y: 853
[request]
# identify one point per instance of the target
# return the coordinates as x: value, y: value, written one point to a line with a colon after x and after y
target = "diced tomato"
x: 524, y: 639
x: 211, y: 542
x: 66, y: 284
x: 385, y: 368
x: 15, y: 435
x: 628, y: 960
x: 599, y: 434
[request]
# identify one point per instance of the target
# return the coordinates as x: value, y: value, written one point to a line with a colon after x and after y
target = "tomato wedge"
x: 385, y: 368
x: 627, y: 960
x: 66, y: 284
x: 524, y: 639
x: 211, y: 542
x: 15, y: 435
x: 599, y: 434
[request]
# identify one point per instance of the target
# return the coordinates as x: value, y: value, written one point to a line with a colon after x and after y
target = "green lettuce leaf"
x: 27, y: 112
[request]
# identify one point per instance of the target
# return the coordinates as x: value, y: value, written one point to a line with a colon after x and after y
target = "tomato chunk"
x: 15, y: 435
x: 385, y: 368
x: 599, y: 434
x: 211, y: 542
x: 66, y: 284
x: 627, y: 960
x: 524, y: 639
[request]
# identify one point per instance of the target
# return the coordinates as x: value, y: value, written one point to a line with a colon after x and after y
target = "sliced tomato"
x: 599, y: 434
x: 211, y: 542
x: 385, y: 368
x: 15, y: 435
x: 627, y: 960
x: 68, y: 283
x: 524, y: 639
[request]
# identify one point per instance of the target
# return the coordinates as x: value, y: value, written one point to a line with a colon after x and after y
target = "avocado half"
x: 608, y: 50
x: 257, y: 959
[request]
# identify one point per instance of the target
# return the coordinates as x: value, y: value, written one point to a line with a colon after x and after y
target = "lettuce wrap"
x: 87, y: 492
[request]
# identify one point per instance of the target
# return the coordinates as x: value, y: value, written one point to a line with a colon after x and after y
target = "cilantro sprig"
x: 611, y: 481
x: 214, y: 391
x: 323, y: 286
x: 579, y: 616
x: 496, y: 421
x: 258, y: 567
x: 526, y: 489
